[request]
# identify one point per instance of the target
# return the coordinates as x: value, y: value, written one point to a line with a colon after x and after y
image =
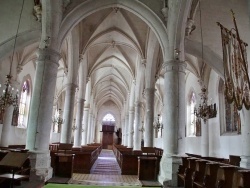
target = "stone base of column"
x: 169, y: 166
x: 245, y: 162
x: 41, y: 170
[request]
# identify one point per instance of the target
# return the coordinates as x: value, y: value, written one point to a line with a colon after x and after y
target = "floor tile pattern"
x: 105, y: 180
x: 105, y: 172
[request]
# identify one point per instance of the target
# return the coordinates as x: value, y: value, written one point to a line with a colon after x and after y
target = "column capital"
x: 47, y: 54
x: 174, y: 65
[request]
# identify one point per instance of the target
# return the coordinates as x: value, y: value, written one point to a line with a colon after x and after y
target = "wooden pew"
x: 198, y: 175
x: 128, y: 159
x: 186, y: 178
x: 210, y: 175
x: 226, y: 177
x: 234, y: 160
x: 84, y: 156
x: 243, y: 178
x: 181, y: 171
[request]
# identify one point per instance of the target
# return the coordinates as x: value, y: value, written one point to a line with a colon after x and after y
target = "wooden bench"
x: 212, y: 172
x: 198, y: 175
x: 181, y: 171
x: 234, y: 160
x: 84, y: 157
x: 226, y: 177
x: 128, y: 159
x: 243, y: 178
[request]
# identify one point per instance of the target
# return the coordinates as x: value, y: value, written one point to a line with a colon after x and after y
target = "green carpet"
x: 52, y: 185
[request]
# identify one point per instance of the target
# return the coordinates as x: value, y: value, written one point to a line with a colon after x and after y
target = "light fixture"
x: 58, y: 120
x: 9, y: 96
x: 237, y: 83
x: 205, y: 111
x: 157, y: 125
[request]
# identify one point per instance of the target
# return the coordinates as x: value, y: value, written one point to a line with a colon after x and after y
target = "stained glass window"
x: 23, y: 105
x: 109, y: 117
x: 192, y: 116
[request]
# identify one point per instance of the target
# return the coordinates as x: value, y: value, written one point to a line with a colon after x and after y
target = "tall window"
x: 23, y: 105
x: 191, y: 118
x: 108, y: 117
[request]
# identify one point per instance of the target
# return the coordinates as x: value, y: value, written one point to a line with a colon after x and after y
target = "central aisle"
x: 105, y: 172
x: 106, y: 164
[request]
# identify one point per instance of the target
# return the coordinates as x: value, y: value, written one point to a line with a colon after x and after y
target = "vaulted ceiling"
x: 114, y: 40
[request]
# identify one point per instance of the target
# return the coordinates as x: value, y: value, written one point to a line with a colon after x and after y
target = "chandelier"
x: 157, y: 125
x: 237, y: 83
x: 205, y: 111
x: 58, y: 120
x: 9, y: 96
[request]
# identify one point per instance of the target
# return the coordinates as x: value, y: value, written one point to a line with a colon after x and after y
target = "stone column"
x: 68, y: 113
x: 137, y: 139
x: 131, y: 115
x: 148, y: 140
x: 125, y: 143
x: 93, y: 130
x: 85, y: 125
x: 41, y: 108
x: 174, y: 103
x: 245, y: 131
x: 79, y: 117
x: 80, y: 101
x: 130, y: 128
x: 123, y: 131
x: 127, y: 129
x: 89, y: 127
x: 7, y: 129
x: 204, y: 139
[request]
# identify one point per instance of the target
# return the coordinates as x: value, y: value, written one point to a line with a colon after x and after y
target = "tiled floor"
x: 101, y: 179
x: 105, y: 171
